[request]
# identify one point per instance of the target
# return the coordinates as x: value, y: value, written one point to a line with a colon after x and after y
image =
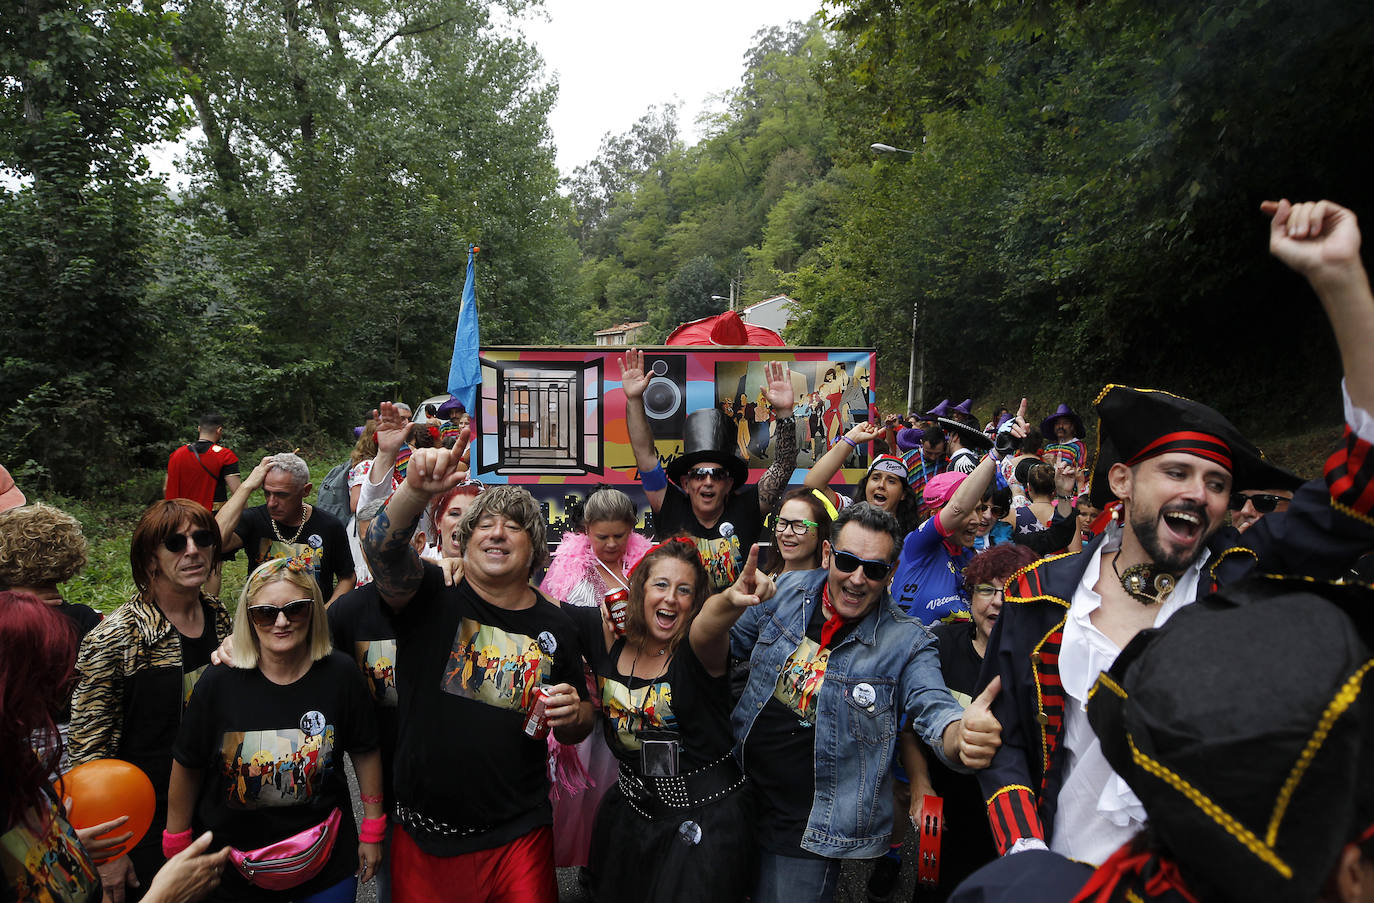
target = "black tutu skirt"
x: 705, y: 852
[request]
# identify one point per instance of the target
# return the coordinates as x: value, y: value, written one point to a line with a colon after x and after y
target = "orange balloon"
x: 104, y: 790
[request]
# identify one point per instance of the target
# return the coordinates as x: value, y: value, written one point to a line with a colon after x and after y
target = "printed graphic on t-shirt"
x: 630, y: 711
x: 310, y: 550
x: 278, y: 768
x: 188, y: 683
x: 377, y: 659
x: 44, y: 864
x: 498, y: 668
x: 801, y: 679
x: 722, y: 559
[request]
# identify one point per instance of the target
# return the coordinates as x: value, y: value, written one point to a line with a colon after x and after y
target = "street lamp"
x: 915, y: 373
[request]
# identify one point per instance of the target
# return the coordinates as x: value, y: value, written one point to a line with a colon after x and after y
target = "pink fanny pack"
x: 291, y: 862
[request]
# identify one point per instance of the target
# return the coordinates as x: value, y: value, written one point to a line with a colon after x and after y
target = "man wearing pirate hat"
x: 707, y: 496
x: 1173, y: 464
x: 1257, y: 774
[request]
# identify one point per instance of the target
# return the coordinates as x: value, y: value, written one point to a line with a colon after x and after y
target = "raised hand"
x: 980, y: 733
x: 779, y: 389
x: 633, y: 379
x: 392, y: 428
x: 259, y: 473
x: 867, y: 431
x: 1065, y: 478
x: 434, y: 470
x: 752, y: 586
x: 1314, y: 236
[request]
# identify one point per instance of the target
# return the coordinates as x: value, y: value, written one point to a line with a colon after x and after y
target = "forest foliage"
x: 1079, y: 204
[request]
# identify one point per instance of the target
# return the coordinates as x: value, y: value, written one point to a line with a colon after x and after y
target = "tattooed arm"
x: 396, y: 567
x: 780, y: 395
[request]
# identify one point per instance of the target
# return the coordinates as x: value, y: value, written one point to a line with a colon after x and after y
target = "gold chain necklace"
x: 276, y: 532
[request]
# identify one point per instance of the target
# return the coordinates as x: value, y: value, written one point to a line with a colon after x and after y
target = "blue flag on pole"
x: 465, y: 371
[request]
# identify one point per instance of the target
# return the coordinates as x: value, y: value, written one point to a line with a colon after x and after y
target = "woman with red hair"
x: 41, y: 855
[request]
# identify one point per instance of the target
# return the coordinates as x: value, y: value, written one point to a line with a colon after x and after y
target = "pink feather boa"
x: 575, y: 562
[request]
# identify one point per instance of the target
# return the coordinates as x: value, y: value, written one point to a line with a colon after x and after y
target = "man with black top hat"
x: 702, y: 492
x: 1173, y: 464
x: 1256, y: 772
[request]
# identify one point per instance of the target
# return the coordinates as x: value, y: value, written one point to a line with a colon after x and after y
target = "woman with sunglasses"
x: 136, y: 668
x: 677, y: 824
x: 800, y: 526
x: 258, y: 759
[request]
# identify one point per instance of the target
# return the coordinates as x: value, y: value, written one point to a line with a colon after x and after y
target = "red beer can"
x: 618, y: 607
x: 537, y: 723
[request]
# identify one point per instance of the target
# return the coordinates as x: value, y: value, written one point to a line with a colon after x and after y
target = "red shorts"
x: 519, y: 871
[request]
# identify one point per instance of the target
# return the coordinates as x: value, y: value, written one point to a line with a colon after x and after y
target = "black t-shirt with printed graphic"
x: 322, y: 541
x: 270, y: 759
x: 722, y: 554
x: 686, y: 704
x: 780, y: 751
x: 466, y: 672
x: 360, y: 623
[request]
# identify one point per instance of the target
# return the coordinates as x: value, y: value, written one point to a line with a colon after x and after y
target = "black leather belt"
x: 655, y: 797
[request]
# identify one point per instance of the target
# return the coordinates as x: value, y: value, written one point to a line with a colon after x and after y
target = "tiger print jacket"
x: 131, y: 688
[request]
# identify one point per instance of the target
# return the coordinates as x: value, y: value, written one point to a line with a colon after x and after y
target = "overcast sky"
x: 614, y: 58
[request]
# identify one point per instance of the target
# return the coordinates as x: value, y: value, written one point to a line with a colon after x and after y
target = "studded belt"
x: 655, y: 797
x: 419, y: 823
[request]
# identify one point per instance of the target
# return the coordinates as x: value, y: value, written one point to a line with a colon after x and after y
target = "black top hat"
x: 1047, y: 425
x: 1245, y: 725
x: 971, y: 436
x: 706, y: 437
x: 1138, y: 424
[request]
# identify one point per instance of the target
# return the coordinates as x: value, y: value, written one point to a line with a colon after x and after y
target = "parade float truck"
x: 552, y: 419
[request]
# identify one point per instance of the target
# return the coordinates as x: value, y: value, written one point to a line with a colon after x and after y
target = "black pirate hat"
x: 1137, y: 424
x: 706, y: 437
x: 972, y: 437
x: 1245, y: 724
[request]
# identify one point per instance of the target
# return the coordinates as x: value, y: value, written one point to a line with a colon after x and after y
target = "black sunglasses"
x: 1264, y: 502
x: 176, y: 543
x: 266, y: 615
x: 846, y: 562
x: 719, y: 474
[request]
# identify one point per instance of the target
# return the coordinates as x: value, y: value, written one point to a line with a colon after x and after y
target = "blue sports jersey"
x: 929, y: 584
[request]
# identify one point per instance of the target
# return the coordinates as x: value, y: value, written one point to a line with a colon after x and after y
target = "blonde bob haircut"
x: 295, y: 571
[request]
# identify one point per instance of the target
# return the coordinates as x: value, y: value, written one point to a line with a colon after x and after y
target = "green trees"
x: 347, y: 153
x: 85, y: 85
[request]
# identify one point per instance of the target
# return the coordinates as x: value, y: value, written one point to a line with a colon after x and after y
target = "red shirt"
x: 200, y: 480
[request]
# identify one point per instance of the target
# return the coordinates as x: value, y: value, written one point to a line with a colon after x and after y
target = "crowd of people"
x: 1127, y: 675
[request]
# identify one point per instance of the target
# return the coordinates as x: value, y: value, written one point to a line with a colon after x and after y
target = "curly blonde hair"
x: 39, y: 546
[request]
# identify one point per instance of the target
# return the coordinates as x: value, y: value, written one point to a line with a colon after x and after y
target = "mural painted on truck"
x: 553, y: 419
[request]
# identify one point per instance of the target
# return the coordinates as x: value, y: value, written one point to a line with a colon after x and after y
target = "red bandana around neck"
x: 833, y: 621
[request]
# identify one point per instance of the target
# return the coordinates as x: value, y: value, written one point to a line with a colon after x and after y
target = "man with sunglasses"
x: 1173, y: 464
x: 1249, y: 505
x: 836, y: 671
x: 702, y: 492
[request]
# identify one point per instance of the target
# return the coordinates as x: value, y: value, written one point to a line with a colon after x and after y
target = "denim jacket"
x: 889, y: 658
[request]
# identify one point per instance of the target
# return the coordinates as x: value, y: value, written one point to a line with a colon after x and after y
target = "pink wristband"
x: 372, y: 830
x: 175, y: 843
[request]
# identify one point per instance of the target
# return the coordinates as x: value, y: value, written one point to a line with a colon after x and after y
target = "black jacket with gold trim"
x: 1316, y: 537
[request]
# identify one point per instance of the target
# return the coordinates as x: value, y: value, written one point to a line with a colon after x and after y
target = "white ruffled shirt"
x: 1097, y: 811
